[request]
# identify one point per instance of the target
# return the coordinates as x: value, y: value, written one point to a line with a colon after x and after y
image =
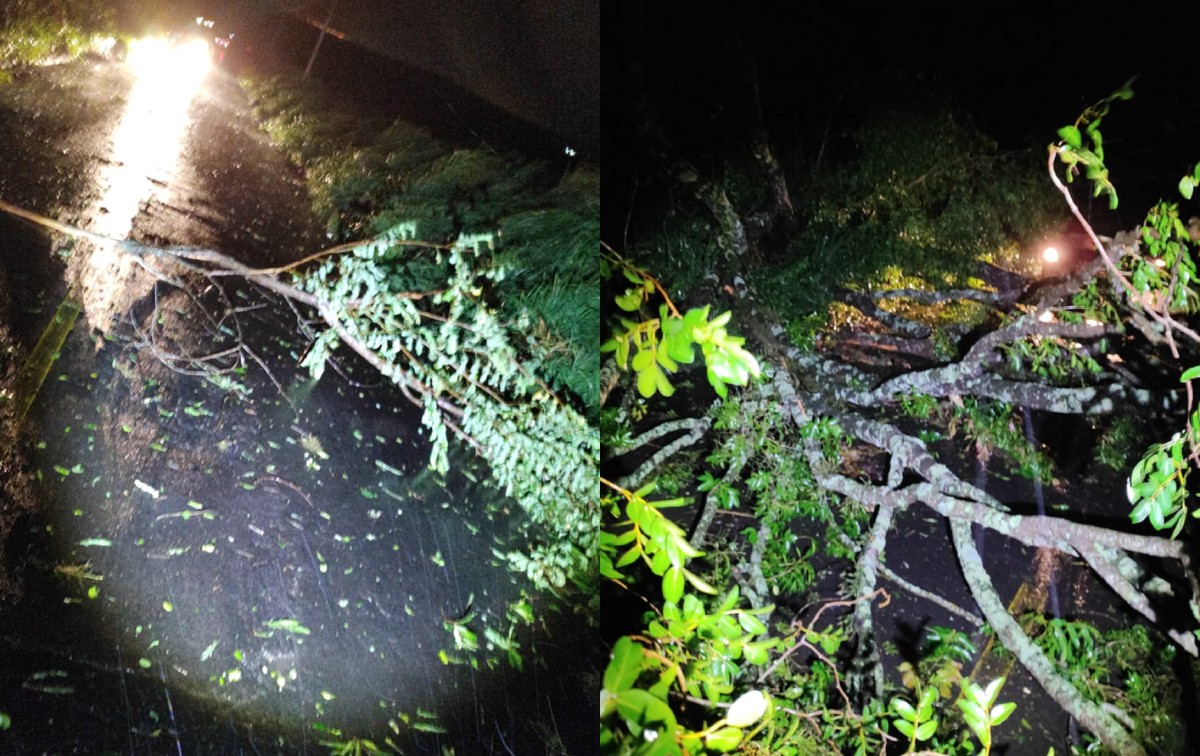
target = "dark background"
x: 538, y: 61
x: 1020, y: 71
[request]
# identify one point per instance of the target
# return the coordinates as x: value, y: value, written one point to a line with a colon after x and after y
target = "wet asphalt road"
x: 230, y: 191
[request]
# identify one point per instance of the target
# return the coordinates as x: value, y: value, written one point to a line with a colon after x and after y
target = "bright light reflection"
x: 1050, y: 254
x: 146, y: 147
x: 146, y: 143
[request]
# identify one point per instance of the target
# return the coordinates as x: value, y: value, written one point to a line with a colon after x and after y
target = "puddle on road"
x: 300, y: 565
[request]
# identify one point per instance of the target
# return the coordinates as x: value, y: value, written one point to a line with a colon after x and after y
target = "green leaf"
x: 642, y: 709
x: 756, y: 652
x: 681, y: 348
x: 664, y: 385
x: 643, y: 359
x: 672, y: 584
x: 630, y: 301
x: 647, y: 382
x: 991, y: 692
x: 906, y: 728
x: 1071, y: 135
x: 830, y: 644
x: 624, y: 666
x: 973, y: 713
x: 904, y: 709
x: 630, y: 556
x: 288, y: 625
x: 699, y: 583
x: 751, y: 624
x: 1190, y: 374
x: 724, y: 739
x: 1141, y: 511
x: 1002, y: 712
x: 659, y: 562
x: 927, y: 729
x: 1157, y: 515
x: 717, y: 384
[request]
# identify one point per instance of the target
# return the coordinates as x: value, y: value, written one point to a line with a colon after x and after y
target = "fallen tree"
x: 1049, y: 348
x: 420, y: 314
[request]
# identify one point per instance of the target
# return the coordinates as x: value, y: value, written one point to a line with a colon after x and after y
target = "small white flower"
x: 748, y: 709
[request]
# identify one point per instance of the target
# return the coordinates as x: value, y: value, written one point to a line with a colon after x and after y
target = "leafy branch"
x: 659, y: 345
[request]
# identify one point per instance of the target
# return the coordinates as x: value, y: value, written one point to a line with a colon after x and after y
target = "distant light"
x: 1050, y: 254
x: 176, y: 69
x: 569, y: 151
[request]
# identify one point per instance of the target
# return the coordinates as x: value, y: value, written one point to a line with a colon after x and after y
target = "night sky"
x: 1021, y: 75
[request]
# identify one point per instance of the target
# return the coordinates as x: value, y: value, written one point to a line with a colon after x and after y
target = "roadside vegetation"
x: 32, y: 33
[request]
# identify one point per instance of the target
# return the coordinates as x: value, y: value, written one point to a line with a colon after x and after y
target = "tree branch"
x: 1091, y: 716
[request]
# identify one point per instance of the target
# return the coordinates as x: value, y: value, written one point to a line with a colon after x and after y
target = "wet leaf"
x: 288, y: 625
x: 387, y: 468
x: 146, y: 488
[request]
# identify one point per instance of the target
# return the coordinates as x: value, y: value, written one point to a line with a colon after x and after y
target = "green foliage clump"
x: 1116, y: 444
x: 990, y: 426
x: 785, y: 494
x: 366, y: 179
x: 447, y: 348
x: 30, y: 31
x: 550, y: 253
x: 1123, y: 667
x: 925, y: 192
x: 696, y: 648
x: 656, y: 347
